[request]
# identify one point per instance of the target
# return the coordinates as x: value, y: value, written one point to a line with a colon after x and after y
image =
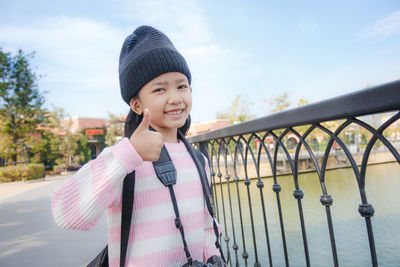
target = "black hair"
x: 133, y: 120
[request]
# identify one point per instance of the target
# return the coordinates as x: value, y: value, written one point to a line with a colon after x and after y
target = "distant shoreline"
x: 306, y: 166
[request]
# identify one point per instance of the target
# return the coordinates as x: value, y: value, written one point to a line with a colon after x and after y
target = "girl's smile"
x: 175, y: 112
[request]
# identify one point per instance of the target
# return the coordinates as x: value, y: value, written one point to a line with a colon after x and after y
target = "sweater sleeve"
x: 209, y: 246
x: 79, y: 202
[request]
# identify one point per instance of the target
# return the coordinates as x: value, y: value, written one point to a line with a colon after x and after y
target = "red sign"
x: 91, y: 132
x: 268, y: 140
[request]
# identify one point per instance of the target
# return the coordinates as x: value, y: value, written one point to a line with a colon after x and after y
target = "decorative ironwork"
x: 241, y: 154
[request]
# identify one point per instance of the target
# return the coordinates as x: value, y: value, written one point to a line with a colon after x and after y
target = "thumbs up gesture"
x: 147, y: 143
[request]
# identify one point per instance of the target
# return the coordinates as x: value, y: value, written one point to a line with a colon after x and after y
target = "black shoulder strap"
x: 126, y: 217
x: 200, y: 156
x: 207, y: 189
x: 200, y: 165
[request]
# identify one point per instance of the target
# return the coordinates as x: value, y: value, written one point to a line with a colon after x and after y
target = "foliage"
x: 302, y: 102
x: 71, y: 147
x: 115, y: 129
x: 5, y: 151
x: 44, y: 144
x: 21, y: 172
x: 83, y: 150
x: 44, y: 148
x: 54, y: 144
x: 239, y: 111
x: 20, y: 99
x: 279, y: 103
x: 29, y: 133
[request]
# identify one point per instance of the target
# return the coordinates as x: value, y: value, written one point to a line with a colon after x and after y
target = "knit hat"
x: 146, y: 54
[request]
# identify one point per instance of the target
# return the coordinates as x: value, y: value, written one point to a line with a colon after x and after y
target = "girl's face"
x: 169, y: 100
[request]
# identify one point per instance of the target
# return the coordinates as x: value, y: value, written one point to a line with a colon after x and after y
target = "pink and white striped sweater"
x: 153, y: 239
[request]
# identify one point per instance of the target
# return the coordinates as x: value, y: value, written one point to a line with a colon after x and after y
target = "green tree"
x: 45, y: 143
x: 239, y: 111
x: 279, y: 103
x: 44, y: 148
x: 302, y: 102
x: 20, y: 99
x: 72, y: 146
x: 115, y: 129
x: 5, y: 151
x: 83, y: 149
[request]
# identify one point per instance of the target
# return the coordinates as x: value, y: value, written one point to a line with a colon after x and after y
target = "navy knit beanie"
x: 146, y: 54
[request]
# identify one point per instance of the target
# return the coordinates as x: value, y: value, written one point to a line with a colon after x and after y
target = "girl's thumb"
x: 144, y: 125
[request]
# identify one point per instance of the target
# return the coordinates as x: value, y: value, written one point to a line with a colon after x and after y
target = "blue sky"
x: 259, y: 49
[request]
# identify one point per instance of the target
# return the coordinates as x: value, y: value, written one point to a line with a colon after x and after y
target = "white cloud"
x: 384, y: 27
x: 182, y: 20
x: 79, y: 60
x: 80, y: 56
x: 74, y: 50
x: 213, y: 66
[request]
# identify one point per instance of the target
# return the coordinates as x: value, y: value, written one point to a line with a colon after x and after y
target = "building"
x: 93, y: 128
x: 203, y: 127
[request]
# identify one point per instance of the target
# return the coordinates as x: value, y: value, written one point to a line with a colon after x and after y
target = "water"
x: 382, y: 187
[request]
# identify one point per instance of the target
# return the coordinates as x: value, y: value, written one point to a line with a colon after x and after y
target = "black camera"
x: 213, y: 261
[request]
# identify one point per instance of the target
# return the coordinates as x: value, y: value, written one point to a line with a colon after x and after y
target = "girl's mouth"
x: 174, y: 112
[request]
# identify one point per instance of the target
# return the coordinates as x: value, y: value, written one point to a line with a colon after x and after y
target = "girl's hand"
x: 147, y: 143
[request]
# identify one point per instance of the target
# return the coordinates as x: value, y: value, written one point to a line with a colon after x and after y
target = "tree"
x: 45, y: 148
x: 302, y: 102
x: 55, y: 144
x: 115, y: 129
x: 279, y: 103
x: 71, y: 147
x: 20, y: 99
x: 239, y: 111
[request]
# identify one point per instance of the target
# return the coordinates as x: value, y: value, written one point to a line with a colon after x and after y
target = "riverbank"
x: 336, y: 160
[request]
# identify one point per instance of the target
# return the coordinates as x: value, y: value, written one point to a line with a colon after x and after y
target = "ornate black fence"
x: 337, y: 133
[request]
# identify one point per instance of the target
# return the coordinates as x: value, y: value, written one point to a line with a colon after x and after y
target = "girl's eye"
x: 158, y: 90
x: 184, y: 86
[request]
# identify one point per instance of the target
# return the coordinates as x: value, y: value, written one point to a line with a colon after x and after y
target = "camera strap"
x: 166, y: 172
x: 198, y: 159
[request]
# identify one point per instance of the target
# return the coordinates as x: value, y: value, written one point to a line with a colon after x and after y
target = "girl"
x: 155, y: 82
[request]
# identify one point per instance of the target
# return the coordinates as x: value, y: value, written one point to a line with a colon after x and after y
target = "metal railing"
x: 262, y: 147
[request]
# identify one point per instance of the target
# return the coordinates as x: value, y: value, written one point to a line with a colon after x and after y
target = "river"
x: 383, y: 192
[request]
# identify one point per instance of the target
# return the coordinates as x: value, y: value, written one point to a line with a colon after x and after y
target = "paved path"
x: 29, y: 236
x: 10, y: 189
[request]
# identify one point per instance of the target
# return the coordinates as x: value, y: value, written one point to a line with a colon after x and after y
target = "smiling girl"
x: 155, y: 82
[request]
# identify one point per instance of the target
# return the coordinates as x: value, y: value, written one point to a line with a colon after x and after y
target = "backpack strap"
x: 126, y: 217
x: 207, y: 189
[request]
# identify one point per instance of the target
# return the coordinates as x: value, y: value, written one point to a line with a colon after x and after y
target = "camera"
x: 213, y: 261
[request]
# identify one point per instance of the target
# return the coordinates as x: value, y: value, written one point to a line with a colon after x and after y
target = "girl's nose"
x: 174, y: 98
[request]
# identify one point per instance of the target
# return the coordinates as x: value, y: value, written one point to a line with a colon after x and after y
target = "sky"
x: 257, y: 49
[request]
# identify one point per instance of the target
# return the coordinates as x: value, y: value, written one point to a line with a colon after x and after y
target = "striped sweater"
x: 153, y: 239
